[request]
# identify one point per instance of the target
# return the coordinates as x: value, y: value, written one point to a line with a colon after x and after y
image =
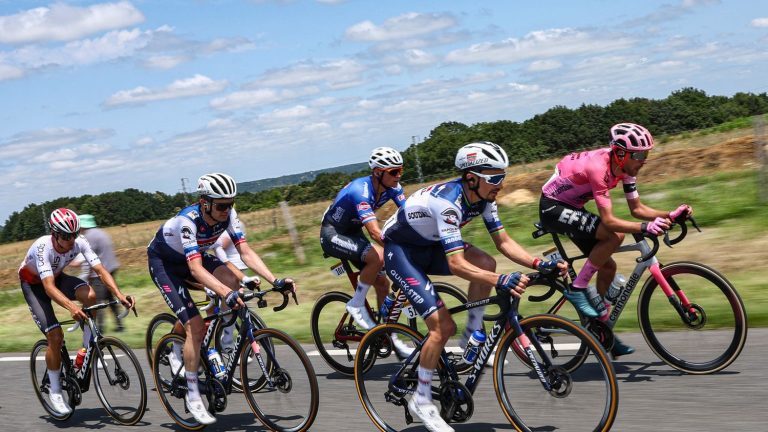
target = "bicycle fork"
x: 691, y: 314
x: 525, y: 342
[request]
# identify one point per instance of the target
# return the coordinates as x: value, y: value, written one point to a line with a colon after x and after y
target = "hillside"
x: 292, y: 179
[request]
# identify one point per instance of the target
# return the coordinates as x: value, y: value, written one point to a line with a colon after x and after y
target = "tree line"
x: 558, y: 131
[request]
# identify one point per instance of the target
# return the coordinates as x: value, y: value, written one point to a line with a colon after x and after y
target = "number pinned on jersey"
x: 338, y: 270
x: 410, y: 312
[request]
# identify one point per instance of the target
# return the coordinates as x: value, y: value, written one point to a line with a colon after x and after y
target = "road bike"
x: 690, y: 315
x: 117, y: 375
x: 280, y: 383
x: 336, y: 335
x: 533, y: 388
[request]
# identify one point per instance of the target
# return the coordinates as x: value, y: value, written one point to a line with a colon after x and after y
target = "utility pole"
x: 184, y: 181
x: 418, y: 162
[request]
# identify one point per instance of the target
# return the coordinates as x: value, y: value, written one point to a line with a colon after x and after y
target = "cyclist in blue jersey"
x: 341, y: 232
x: 177, y: 258
x: 424, y: 237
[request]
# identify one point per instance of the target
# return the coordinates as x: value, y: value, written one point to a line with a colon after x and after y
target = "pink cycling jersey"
x: 580, y: 177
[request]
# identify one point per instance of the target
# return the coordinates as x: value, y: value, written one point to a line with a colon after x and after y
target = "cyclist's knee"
x: 195, y: 327
x: 55, y: 338
x: 375, y: 257
x: 609, y: 266
x: 86, y: 295
x: 480, y: 258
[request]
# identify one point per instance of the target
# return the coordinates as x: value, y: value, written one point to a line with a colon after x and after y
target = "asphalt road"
x: 653, y: 397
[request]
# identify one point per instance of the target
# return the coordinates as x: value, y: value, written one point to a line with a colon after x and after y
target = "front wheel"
x: 119, y: 381
x: 584, y: 399
x: 42, y: 385
x: 225, y: 341
x: 704, y: 338
x: 289, y: 399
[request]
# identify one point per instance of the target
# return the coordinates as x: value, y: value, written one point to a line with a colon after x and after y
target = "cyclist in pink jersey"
x: 581, y: 177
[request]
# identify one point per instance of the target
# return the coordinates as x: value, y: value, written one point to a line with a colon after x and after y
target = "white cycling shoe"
x: 59, y: 404
x: 198, y: 411
x: 402, y: 349
x: 361, y: 316
x: 429, y: 415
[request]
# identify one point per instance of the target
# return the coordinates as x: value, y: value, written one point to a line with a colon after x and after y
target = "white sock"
x: 424, y: 389
x: 358, y: 299
x: 54, y: 376
x: 86, y: 336
x: 192, y: 391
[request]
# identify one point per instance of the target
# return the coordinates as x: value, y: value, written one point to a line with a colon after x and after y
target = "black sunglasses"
x: 223, y: 206
x: 639, y: 156
x: 67, y: 236
x: 394, y: 172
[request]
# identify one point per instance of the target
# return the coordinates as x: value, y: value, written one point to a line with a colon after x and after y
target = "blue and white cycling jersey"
x: 356, y: 203
x: 185, y: 236
x: 435, y: 215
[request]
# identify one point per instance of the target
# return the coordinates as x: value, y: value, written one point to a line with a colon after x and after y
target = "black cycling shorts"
x: 578, y: 224
x: 40, y: 304
x: 349, y: 246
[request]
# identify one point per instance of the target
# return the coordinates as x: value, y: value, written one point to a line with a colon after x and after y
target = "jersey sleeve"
x: 448, y: 219
x: 43, y: 263
x: 188, y: 235
x: 398, y: 195
x: 235, y: 229
x: 363, y: 203
x: 630, y: 188
x: 85, y: 248
x: 491, y: 218
x: 220, y: 253
x: 597, y: 180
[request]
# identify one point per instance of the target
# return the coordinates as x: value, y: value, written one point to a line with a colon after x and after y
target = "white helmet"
x: 385, y: 157
x: 64, y: 221
x: 217, y: 185
x: 481, y: 155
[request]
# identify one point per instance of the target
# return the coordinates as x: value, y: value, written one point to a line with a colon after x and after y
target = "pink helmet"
x: 631, y: 137
x: 64, y: 221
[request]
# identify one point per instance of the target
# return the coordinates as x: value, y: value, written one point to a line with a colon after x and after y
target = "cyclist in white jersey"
x: 177, y: 255
x: 42, y: 280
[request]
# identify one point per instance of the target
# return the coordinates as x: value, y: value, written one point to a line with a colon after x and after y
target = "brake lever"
x: 693, y: 222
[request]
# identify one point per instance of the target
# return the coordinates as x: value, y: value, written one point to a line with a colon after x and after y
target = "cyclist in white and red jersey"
x: 177, y: 256
x: 42, y: 280
x: 581, y: 177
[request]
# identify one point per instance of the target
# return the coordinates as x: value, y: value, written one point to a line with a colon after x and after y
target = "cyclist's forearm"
x: 255, y: 263
x: 462, y: 268
x: 513, y: 251
x: 54, y: 294
x: 374, y: 232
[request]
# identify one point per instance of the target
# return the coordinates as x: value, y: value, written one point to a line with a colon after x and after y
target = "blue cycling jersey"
x: 435, y: 215
x: 356, y: 203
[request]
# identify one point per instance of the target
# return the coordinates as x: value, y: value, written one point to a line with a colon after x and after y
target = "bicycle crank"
x: 456, y: 403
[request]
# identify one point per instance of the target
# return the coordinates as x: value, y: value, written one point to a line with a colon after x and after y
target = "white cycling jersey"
x: 44, y: 261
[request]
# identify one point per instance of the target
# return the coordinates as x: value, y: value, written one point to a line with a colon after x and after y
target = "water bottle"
x: 79, y: 358
x: 614, y: 290
x: 597, y: 302
x: 217, y: 365
x: 473, y: 346
x: 386, y: 305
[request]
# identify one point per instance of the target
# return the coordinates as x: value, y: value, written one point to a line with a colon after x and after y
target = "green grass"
x: 724, y: 203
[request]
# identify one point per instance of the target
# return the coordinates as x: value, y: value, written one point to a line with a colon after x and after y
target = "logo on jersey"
x: 417, y: 215
x: 450, y: 216
x: 186, y: 233
x: 401, y: 197
x: 363, y: 206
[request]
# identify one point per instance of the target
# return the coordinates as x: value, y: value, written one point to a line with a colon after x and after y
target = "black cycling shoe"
x: 620, y: 348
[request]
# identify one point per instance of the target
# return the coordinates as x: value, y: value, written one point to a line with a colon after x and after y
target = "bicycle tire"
x: 168, y: 386
x: 39, y: 375
x: 334, y: 305
x: 151, y: 338
x: 114, y: 366
x: 709, y: 290
x: 270, y: 402
x: 576, y: 395
x: 258, y: 323
x: 386, y: 416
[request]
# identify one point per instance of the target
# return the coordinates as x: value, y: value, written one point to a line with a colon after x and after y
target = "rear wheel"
x: 705, y: 338
x: 159, y: 326
x: 119, y: 381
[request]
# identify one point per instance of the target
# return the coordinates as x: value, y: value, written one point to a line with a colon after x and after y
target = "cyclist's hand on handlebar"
x: 513, y: 283
x: 233, y: 300
x: 548, y: 267
x: 127, y: 301
x: 683, y: 210
x: 656, y: 226
x: 285, y: 283
x: 251, y: 282
x: 77, y: 313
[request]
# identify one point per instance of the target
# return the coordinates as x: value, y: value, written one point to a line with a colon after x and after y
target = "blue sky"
x: 103, y: 96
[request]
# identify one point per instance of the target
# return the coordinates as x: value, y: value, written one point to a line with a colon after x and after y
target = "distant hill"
x: 292, y: 179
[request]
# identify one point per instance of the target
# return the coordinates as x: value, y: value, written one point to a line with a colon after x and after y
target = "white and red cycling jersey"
x: 43, y: 261
x: 580, y: 177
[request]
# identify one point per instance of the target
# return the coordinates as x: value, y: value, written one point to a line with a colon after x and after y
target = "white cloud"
x: 404, y: 26
x: 416, y: 57
x: 297, y: 111
x: 759, y: 22
x: 544, y: 65
x: 336, y: 74
x: 145, y: 141
x: 164, y: 61
x: 10, y: 72
x: 255, y: 98
x: 62, y: 22
x: 188, y: 87
x: 27, y: 145
x: 539, y: 44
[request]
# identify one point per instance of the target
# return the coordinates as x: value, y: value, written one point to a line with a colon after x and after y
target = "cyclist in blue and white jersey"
x: 177, y: 255
x: 341, y: 233
x: 424, y: 237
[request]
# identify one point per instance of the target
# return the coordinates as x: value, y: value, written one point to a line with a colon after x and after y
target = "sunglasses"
x: 223, y: 206
x: 492, y: 179
x: 639, y: 156
x: 394, y: 172
x: 67, y: 236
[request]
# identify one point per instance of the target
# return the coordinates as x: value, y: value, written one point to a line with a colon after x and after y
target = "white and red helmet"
x: 631, y: 137
x: 481, y: 155
x: 64, y: 221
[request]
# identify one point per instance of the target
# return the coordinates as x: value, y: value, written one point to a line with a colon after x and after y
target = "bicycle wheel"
x: 452, y: 297
x: 119, y: 381
x: 171, y: 386
x: 712, y: 333
x: 382, y: 395
x: 335, y: 333
x: 160, y: 325
x: 586, y: 399
x: 41, y: 383
x: 228, y: 351
x: 289, y: 400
